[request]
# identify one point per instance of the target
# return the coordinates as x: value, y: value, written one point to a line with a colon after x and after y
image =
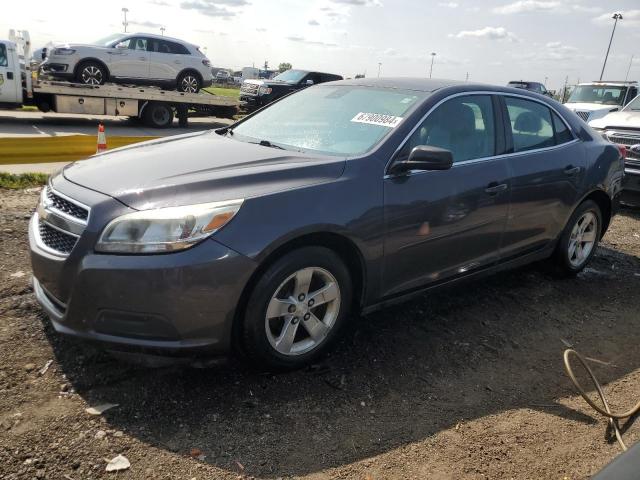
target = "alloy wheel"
x: 91, y: 75
x: 583, y: 238
x: 302, y: 311
x: 189, y: 84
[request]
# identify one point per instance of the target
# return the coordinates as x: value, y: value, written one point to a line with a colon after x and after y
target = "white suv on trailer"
x: 132, y: 58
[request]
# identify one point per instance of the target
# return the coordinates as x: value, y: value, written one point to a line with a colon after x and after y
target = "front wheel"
x: 579, y: 239
x: 91, y: 73
x: 296, y: 309
x: 189, y: 82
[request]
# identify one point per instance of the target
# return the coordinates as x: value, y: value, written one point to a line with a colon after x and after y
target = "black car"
x: 264, y: 236
x: 258, y: 93
x: 531, y: 86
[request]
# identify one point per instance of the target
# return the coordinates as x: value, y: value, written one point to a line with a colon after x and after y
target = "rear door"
x: 131, y: 62
x: 443, y: 224
x: 10, y: 79
x: 547, y: 166
x: 167, y: 59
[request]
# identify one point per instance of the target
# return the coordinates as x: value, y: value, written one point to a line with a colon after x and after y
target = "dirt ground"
x: 466, y: 383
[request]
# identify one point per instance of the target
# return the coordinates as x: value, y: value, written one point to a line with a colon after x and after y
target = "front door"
x: 132, y: 61
x: 547, y: 169
x: 442, y: 224
x: 10, y: 88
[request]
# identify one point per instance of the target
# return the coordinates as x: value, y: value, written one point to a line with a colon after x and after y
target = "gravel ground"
x: 466, y: 383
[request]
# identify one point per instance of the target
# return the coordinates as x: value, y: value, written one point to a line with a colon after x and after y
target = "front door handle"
x: 571, y: 170
x: 494, y: 188
x: 143, y: 58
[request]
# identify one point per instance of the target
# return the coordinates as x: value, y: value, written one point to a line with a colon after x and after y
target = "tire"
x: 91, y: 73
x: 158, y: 115
x: 571, y: 256
x: 189, y: 82
x: 285, y: 342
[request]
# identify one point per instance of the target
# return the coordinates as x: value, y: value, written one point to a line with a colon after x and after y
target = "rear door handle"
x: 571, y: 170
x: 494, y: 188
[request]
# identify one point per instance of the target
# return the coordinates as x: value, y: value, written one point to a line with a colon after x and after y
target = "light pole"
x: 545, y: 81
x: 616, y: 16
x: 379, y: 67
x: 433, y: 56
x: 125, y: 23
x: 162, y: 29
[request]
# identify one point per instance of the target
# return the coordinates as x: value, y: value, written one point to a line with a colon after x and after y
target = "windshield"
x: 634, y: 104
x: 290, y: 76
x: 103, y: 42
x: 331, y: 120
x: 598, y: 94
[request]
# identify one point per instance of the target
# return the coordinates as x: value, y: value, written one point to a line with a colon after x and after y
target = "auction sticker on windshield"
x: 377, y: 119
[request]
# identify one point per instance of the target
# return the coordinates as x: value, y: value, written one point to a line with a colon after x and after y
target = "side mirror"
x: 309, y: 82
x: 424, y: 157
x: 122, y: 45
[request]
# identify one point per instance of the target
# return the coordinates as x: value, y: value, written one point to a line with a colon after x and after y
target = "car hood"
x: 591, y: 107
x: 198, y: 168
x: 625, y: 119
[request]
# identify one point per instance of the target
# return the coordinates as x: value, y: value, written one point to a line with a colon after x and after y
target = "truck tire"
x: 158, y: 115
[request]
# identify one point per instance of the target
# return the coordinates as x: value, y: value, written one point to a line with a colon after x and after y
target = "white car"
x: 597, y: 99
x: 132, y: 58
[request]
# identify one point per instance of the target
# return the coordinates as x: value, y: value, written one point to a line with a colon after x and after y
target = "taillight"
x: 206, y: 63
x: 623, y: 150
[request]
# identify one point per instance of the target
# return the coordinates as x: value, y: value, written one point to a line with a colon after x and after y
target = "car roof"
x: 159, y: 37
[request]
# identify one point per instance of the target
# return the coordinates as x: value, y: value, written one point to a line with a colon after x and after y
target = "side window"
x: 563, y: 134
x: 463, y: 125
x: 138, y: 44
x: 178, y: 49
x: 313, y: 76
x: 4, y: 61
x: 633, y: 93
x: 530, y: 124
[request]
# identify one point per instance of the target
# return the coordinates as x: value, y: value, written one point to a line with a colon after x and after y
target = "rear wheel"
x: 158, y: 115
x: 91, y: 73
x: 579, y: 239
x: 296, y: 308
x: 189, y: 82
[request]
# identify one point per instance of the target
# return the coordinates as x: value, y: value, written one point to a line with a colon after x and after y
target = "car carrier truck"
x: 21, y: 85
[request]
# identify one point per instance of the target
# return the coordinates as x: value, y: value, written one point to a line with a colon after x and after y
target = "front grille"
x: 628, y: 140
x: 65, y: 206
x: 583, y: 115
x: 250, y: 88
x: 56, y: 239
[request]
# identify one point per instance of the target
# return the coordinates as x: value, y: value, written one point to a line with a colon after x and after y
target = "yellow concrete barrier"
x: 65, y: 148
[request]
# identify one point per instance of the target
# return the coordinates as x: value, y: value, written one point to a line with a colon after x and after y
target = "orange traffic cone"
x: 102, y: 139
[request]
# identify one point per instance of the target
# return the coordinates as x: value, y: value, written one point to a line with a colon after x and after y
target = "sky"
x: 492, y: 41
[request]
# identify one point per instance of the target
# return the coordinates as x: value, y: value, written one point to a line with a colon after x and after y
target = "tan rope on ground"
x: 612, y: 416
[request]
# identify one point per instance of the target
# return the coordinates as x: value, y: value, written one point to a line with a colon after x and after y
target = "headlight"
x: 264, y: 90
x: 63, y: 51
x: 165, y: 229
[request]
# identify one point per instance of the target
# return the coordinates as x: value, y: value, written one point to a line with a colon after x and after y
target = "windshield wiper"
x: 267, y: 143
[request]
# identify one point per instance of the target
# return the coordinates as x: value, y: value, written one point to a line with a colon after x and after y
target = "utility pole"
x: 162, y: 29
x: 545, y: 81
x: 629, y: 69
x: 125, y: 23
x: 616, y: 16
x: 467, y: 79
x: 564, y: 90
x: 379, y: 67
x: 433, y: 56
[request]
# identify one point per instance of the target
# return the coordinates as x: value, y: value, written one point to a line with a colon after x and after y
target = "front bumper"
x: 177, y: 303
x: 56, y: 69
x: 631, y: 186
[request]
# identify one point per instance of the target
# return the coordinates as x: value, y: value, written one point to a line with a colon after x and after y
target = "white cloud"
x: 630, y: 18
x: 490, y: 33
x: 554, y: 6
x: 449, y: 4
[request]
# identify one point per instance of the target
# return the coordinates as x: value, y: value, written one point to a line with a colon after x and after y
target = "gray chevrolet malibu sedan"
x: 264, y: 236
